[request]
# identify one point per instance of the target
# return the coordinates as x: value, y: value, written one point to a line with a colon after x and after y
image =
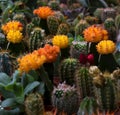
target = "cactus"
x: 91, y: 20
x: 53, y: 24
x: 98, y: 13
x: 63, y: 29
x: 65, y: 99
x: 117, y: 22
x: 29, y: 28
x: 6, y: 63
x: 108, y: 13
x: 83, y: 82
x: 78, y: 48
x: 80, y: 27
x: 67, y: 70
x: 109, y: 25
x: 34, y: 104
x: 35, y: 39
x: 54, y: 5
x: 36, y: 21
x: 107, y: 96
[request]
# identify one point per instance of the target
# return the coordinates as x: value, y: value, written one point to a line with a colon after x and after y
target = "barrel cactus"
x: 83, y: 82
x: 80, y: 27
x: 35, y: 40
x: 67, y: 70
x: 65, y: 99
x: 34, y: 104
x: 53, y: 24
x: 6, y: 63
x: 63, y: 29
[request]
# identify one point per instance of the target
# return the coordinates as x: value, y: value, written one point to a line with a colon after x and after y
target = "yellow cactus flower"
x: 95, y: 34
x: 31, y: 61
x: 106, y: 47
x: 14, y: 36
x: 12, y: 25
x: 61, y: 41
x: 43, y: 12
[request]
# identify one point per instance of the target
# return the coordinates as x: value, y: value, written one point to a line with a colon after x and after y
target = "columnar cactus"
x: 83, y: 82
x: 65, y: 99
x: 53, y: 24
x: 67, y: 70
x: 29, y: 28
x: 35, y: 39
x: 34, y: 104
x: 6, y: 63
x: 117, y: 21
x: 36, y: 21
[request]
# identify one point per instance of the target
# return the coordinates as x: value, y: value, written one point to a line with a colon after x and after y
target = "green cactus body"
x: 80, y: 27
x: 54, y: 5
x: 29, y: 28
x: 34, y: 104
x: 108, y: 13
x: 78, y: 48
x: 107, y: 96
x: 53, y: 24
x: 117, y: 21
x: 91, y: 20
x: 63, y: 29
x: 83, y: 82
x: 109, y: 25
x: 98, y: 13
x: 67, y: 70
x: 6, y: 63
x: 65, y: 99
x: 35, y: 40
x: 36, y: 21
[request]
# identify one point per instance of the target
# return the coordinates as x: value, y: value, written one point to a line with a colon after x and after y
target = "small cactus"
x: 92, y: 20
x: 53, y: 24
x: 65, y: 99
x: 117, y: 22
x: 83, y: 82
x: 80, y: 27
x: 35, y: 39
x: 67, y: 70
x: 98, y: 12
x: 108, y: 13
x: 54, y: 5
x: 29, y: 28
x: 6, y: 63
x: 36, y: 21
x: 34, y: 104
x: 63, y: 29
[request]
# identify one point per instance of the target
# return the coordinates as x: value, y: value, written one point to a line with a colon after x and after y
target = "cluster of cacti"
x: 77, y: 48
x: 6, y: 63
x: 108, y: 13
x: 106, y: 92
x: 67, y: 70
x: 109, y: 25
x: 80, y: 27
x: 65, y: 99
x: 34, y: 104
x: 35, y: 40
x: 83, y: 81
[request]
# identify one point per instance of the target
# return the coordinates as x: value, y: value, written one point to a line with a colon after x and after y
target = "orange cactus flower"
x: 95, y: 34
x: 12, y: 25
x: 51, y: 52
x: 43, y: 12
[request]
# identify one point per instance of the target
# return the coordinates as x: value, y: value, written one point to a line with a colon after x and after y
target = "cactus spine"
x: 63, y: 29
x: 35, y: 39
x: 67, y: 70
x: 65, y: 99
x: 34, y: 104
x: 83, y: 82
x: 6, y: 63
x: 79, y: 28
x: 53, y: 24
